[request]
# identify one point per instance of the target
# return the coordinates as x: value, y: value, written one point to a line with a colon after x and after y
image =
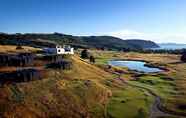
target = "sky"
x: 157, y: 20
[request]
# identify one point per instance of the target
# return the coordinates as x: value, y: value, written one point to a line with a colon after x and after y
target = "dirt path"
x: 157, y: 110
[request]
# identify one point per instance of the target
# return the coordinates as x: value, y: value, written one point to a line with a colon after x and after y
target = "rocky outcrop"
x: 27, y: 70
x: 50, y: 58
x: 18, y: 76
x: 21, y: 59
x: 63, y: 64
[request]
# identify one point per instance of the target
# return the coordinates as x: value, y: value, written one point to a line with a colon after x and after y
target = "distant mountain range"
x: 108, y: 42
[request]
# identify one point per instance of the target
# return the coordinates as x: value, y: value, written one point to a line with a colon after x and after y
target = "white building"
x: 64, y: 50
x: 59, y: 50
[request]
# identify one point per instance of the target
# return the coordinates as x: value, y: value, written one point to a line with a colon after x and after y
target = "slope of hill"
x: 107, y: 42
x: 75, y: 93
x: 142, y: 43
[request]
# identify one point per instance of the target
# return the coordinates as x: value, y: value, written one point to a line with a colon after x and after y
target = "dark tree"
x: 19, y: 47
x: 84, y: 54
x: 102, y: 48
x: 92, y: 59
x: 126, y: 50
x: 141, y: 113
x: 183, y: 57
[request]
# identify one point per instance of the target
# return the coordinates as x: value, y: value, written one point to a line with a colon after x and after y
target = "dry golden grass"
x: 12, y: 49
x: 71, y: 94
x: 84, y: 70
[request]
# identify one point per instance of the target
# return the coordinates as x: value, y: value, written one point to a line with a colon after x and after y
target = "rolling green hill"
x: 101, y: 42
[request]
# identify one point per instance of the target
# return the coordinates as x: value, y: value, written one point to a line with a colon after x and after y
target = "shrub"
x: 19, y: 47
x: 92, y: 59
x: 84, y: 54
x: 141, y: 113
x: 183, y: 57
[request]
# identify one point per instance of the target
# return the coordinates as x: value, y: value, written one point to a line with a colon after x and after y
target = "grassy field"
x: 12, y: 49
x: 94, y: 91
x: 171, y: 90
x: 129, y: 102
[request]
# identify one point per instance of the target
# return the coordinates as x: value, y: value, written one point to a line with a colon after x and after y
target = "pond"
x: 135, y: 65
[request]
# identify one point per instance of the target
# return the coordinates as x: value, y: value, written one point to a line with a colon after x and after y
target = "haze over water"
x: 172, y: 46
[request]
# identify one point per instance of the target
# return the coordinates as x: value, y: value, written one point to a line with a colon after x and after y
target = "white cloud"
x: 157, y: 37
x: 127, y: 34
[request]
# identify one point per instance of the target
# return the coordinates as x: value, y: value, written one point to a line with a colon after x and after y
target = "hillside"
x: 102, y: 42
x: 96, y: 90
x: 75, y: 93
x: 117, y: 43
x: 142, y: 43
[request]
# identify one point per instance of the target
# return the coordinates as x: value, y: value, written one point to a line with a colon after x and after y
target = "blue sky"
x: 157, y: 20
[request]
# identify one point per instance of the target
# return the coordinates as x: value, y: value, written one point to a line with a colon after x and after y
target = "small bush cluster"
x: 86, y: 55
x: 183, y: 57
x: 92, y: 59
x: 19, y: 47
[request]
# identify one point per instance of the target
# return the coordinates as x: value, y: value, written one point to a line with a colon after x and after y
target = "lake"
x: 135, y: 65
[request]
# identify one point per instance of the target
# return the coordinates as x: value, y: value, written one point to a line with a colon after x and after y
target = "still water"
x: 135, y: 65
